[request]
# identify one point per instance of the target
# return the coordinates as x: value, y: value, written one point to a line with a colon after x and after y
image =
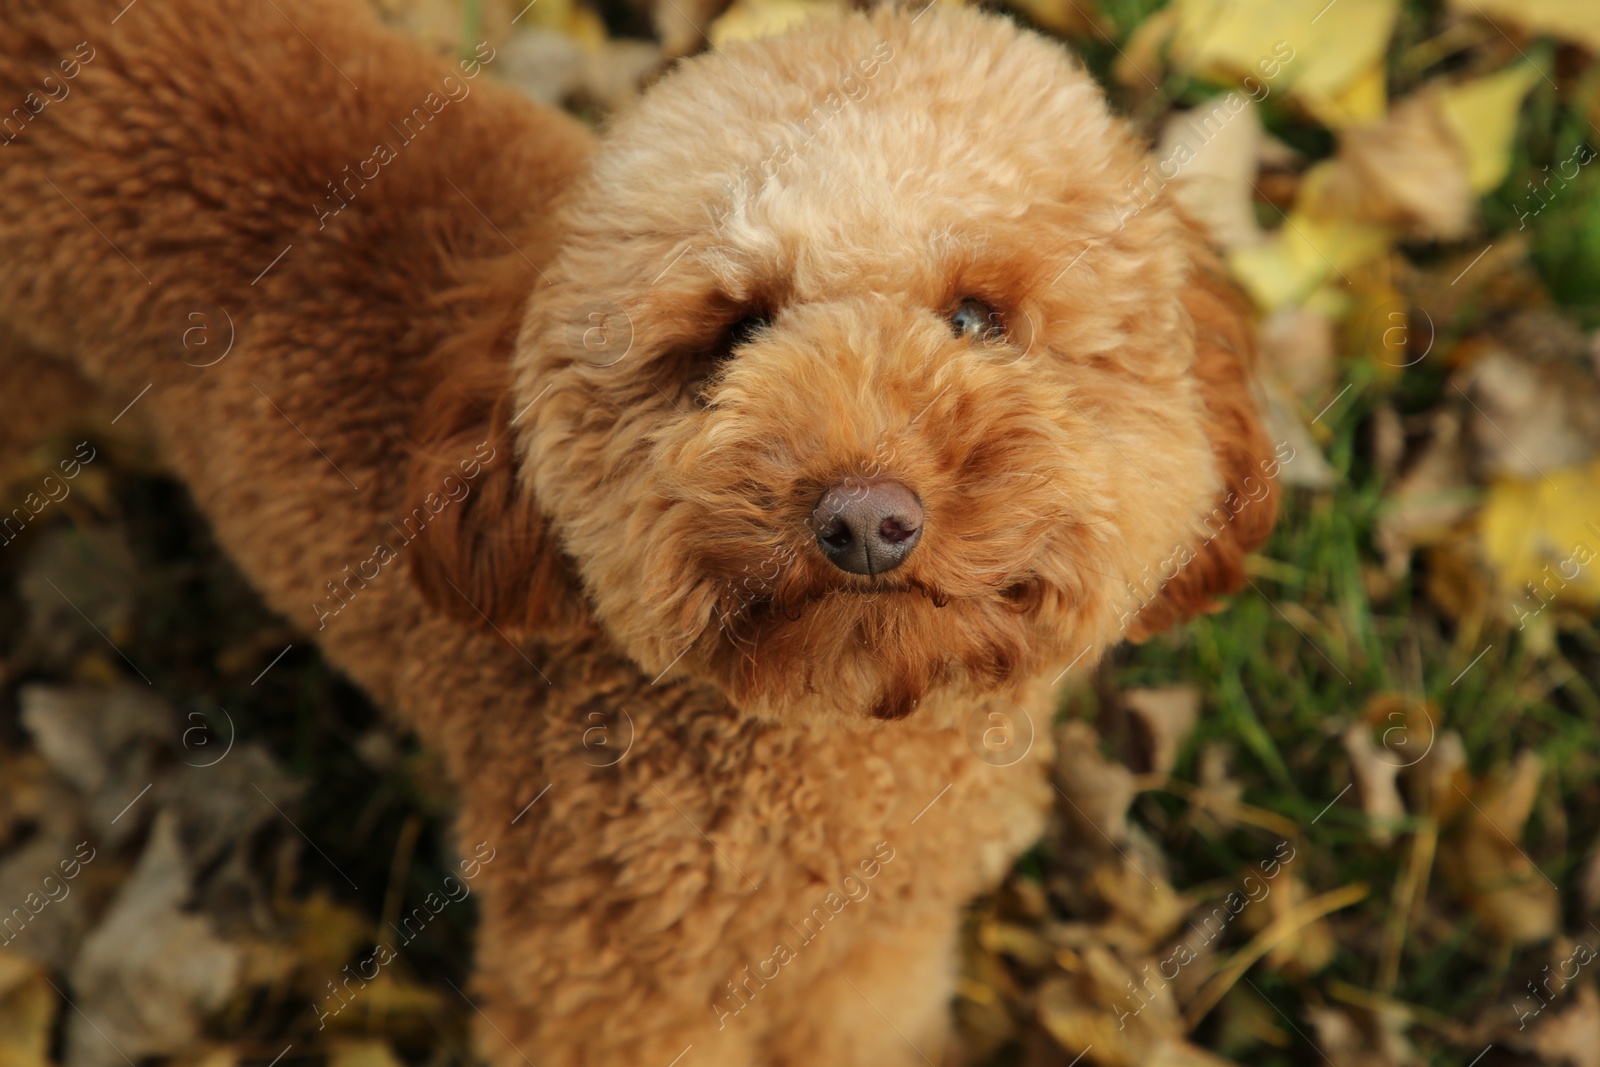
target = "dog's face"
x: 866, y: 375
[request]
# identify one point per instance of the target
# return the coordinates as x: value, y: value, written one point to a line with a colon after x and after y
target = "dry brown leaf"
x: 1530, y: 416
x: 1408, y: 171
x: 1353, y: 1038
x: 151, y: 972
x: 1297, y: 347
x: 1095, y: 792
x: 1214, y: 150
x: 1174, y: 1052
x: 1021, y: 943
x: 1163, y: 719
x: 1306, y: 468
x: 1430, y: 498
x: 1486, y: 866
x: 1457, y: 580
x: 1571, y: 1038
x: 1310, y: 947
x: 1222, y: 792
x: 1375, y: 770
x: 1143, y: 904
x: 1116, y: 1008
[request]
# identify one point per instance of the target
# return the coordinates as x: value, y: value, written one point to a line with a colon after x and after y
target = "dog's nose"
x: 867, y: 527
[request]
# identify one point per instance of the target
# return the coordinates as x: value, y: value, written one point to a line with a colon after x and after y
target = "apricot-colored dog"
x: 796, y: 435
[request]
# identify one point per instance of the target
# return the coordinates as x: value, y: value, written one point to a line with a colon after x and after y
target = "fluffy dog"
x: 800, y: 434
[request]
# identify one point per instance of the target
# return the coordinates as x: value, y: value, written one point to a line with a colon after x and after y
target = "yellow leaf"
x: 1329, y: 55
x: 1545, y: 533
x: 328, y: 934
x: 1573, y: 20
x: 1483, y: 115
x: 748, y: 19
x: 362, y: 1054
x: 1302, y: 255
x: 27, y: 1013
x: 1363, y: 100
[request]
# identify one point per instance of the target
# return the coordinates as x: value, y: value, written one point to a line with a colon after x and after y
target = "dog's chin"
x: 870, y: 649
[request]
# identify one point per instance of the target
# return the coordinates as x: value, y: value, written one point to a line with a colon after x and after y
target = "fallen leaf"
x: 1163, y: 719
x: 1020, y: 943
x: 1434, y: 494
x: 27, y: 1013
x: 1483, y: 113
x: 1306, y: 466
x: 1362, y: 1038
x: 1375, y: 770
x: 1095, y: 792
x: 152, y: 972
x: 107, y: 742
x: 1218, y: 792
x: 1304, y: 253
x: 1572, y: 20
x: 749, y: 19
x: 1486, y: 866
x: 1218, y: 150
x: 1409, y: 171
x: 362, y: 1054
x: 1531, y: 415
x: 1543, y: 538
x: 1297, y: 347
x: 1571, y: 1038
x: 1334, y: 52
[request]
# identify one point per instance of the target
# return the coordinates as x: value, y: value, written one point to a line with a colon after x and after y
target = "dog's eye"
x: 705, y: 365
x: 745, y: 330
x: 977, y: 322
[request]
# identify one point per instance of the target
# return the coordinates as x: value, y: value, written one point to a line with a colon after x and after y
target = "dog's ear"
x: 1242, y: 516
x: 486, y: 554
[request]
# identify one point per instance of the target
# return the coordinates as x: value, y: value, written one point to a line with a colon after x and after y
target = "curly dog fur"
x: 615, y: 524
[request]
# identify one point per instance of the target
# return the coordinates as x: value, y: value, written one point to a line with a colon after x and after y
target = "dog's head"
x: 875, y: 364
